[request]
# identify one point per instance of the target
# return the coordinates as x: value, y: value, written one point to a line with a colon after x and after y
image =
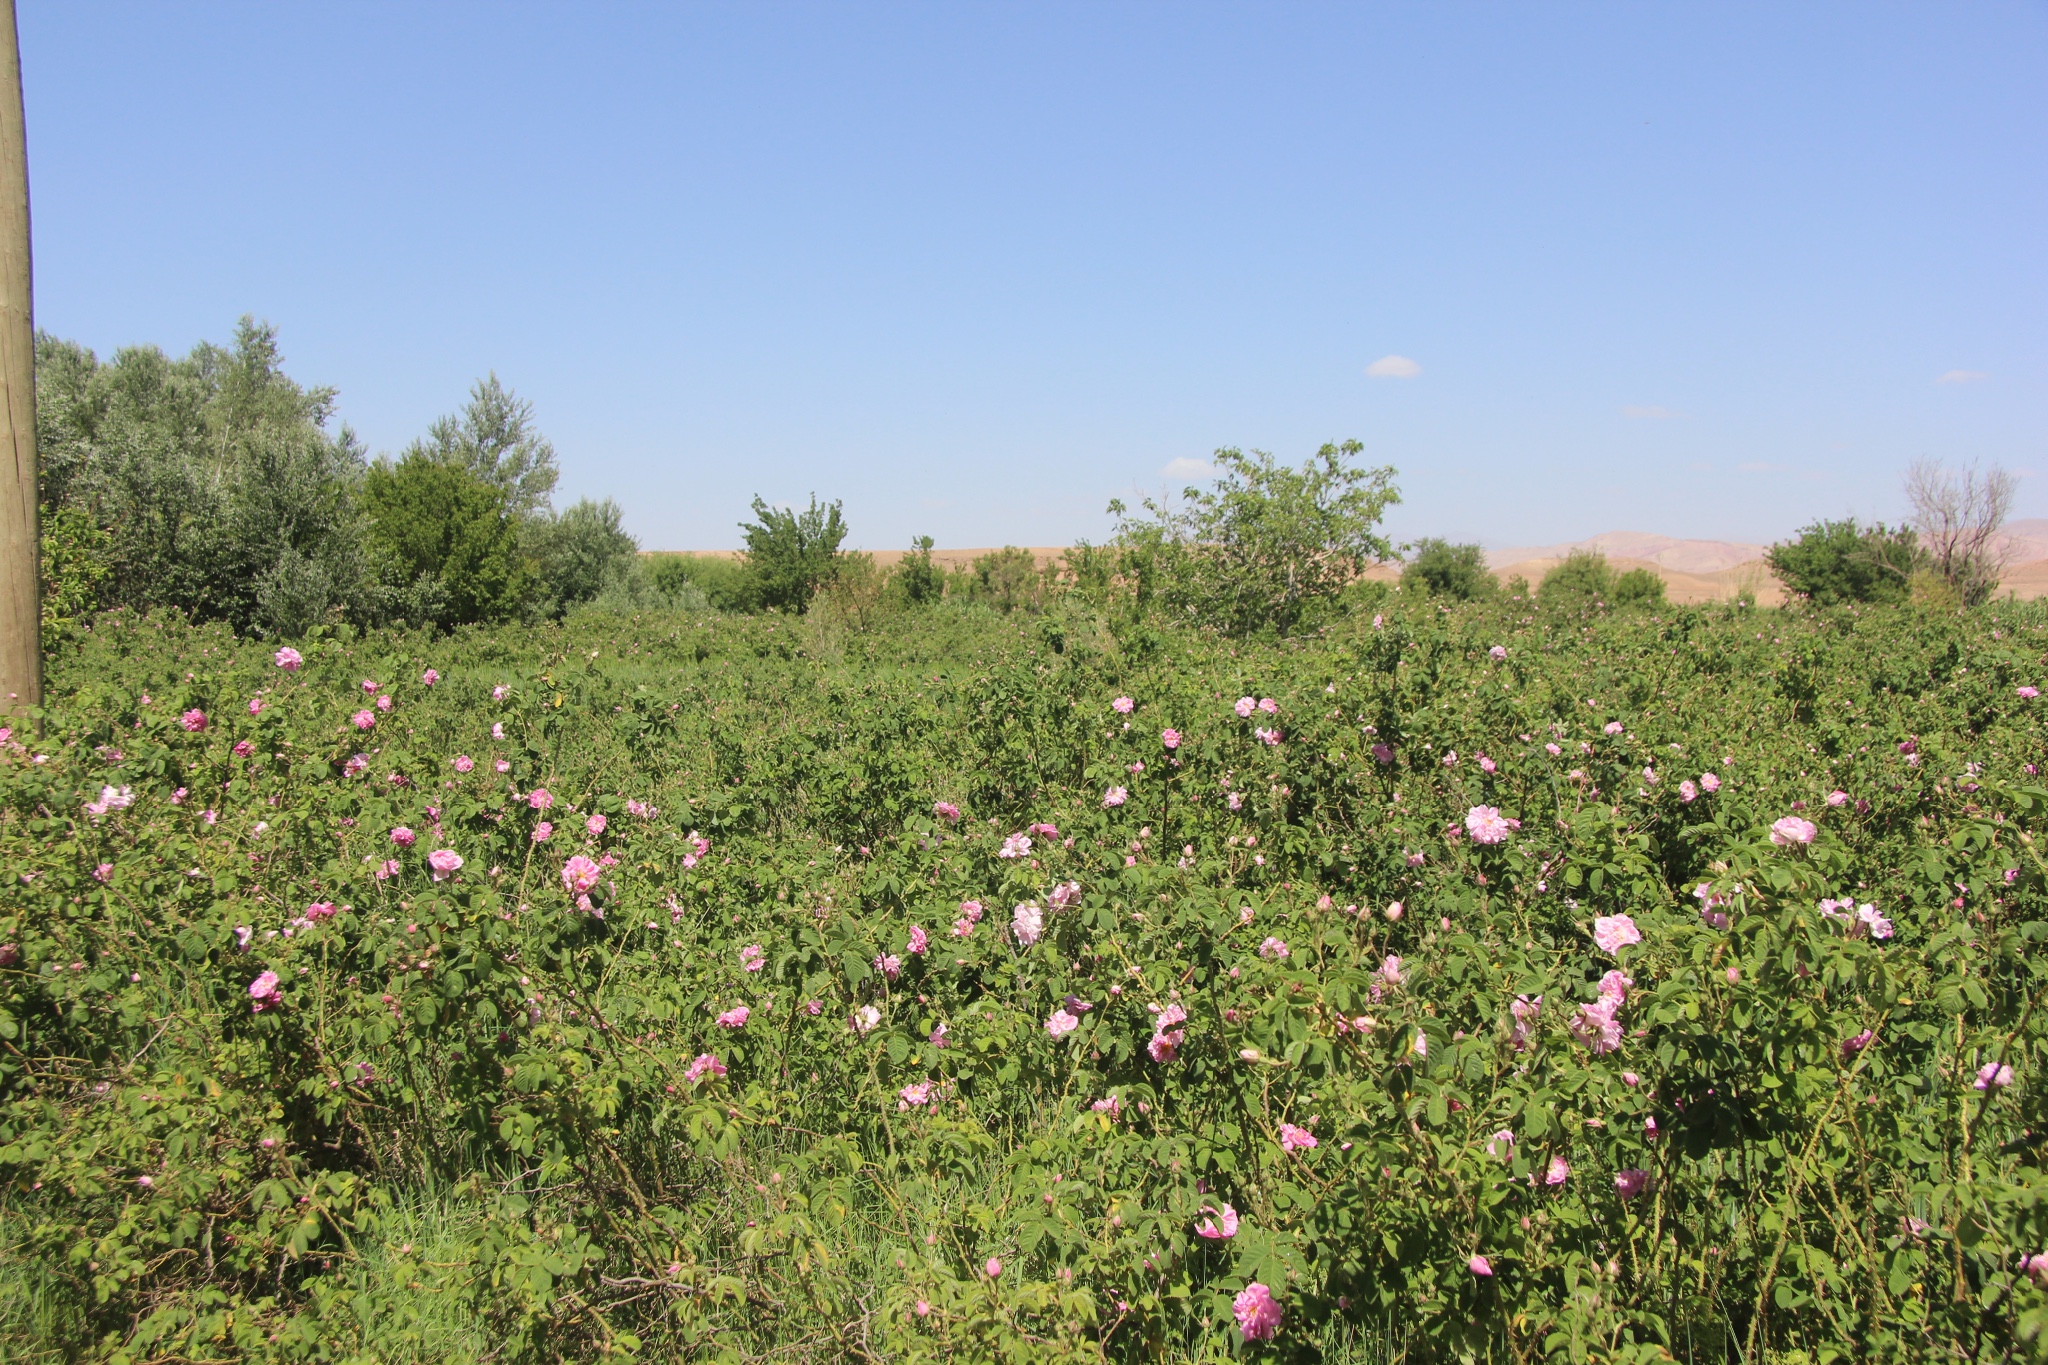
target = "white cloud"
x: 1651, y: 411
x: 1181, y: 467
x: 1393, y: 367
x: 1961, y: 377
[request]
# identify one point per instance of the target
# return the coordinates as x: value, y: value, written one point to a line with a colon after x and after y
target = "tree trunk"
x: 21, y: 644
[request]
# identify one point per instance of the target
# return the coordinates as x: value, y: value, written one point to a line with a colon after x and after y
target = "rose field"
x: 1452, y: 984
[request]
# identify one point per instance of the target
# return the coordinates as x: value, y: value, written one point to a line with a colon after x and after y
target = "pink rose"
x: 1792, y: 830
x: 1122, y: 706
x: 364, y: 720
x: 445, y: 862
x: 579, y: 875
x: 1258, y: 1316
x: 403, y: 837
x: 263, y: 993
x: 1220, y: 1228
x: 1170, y: 738
x: 289, y: 659
x: 1614, y: 932
x: 194, y: 720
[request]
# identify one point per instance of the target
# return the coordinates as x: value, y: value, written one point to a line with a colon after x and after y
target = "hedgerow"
x: 1453, y: 984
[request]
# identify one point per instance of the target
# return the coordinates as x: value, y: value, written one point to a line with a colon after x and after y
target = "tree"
x: 494, y: 438
x: 1441, y: 569
x: 1832, y: 562
x: 1005, y: 579
x: 1266, y: 547
x: 1958, y: 516
x: 579, y: 549
x: 917, y: 581
x: 1581, y: 583
x: 1639, y: 588
x: 791, y: 554
x: 452, y: 535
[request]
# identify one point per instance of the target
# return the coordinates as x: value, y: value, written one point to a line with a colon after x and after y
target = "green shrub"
x: 1440, y: 569
x: 578, y: 550
x: 724, y: 581
x: 1833, y: 562
x: 1639, y: 588
x: 1005, y: 579
x: 1583, y: 582
x: 916, y: 581
x: 512, y: 1111
x: 792, y: 554
x: 451, y: 534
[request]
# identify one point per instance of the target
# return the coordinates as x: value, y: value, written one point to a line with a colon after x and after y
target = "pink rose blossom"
x: 2029, y: 693
x: 1614, y: 932
x: 1269, y: 706
x: 753, y: 957
x: 993, y: 1267
x: 463, y: 763
x: 194, y: 720
x: 1479, y: 1265
x: 1170, y: 738
x: 1273, y: 949
x: 919, y: 942
x: 946, y: 811
x: 445, y: 862
x: 540, y: 798
x: 263, y: 994
x: 543, y: 832
x: 1557, y: 1172
x: 1245, y: 706
x: 1114, y: 797
x: 503, y: 766
x: 1595, y: 1025
x: 256, y: 705
x: 364, y: 720
x: 369, y: 686
x: 1258, y: 1316
x: 1296, y: 1139
x: 1487, y: 765
x: 429, y: 678
x: 705, y: 1065
x: 1792, y: 830
x: 384, y: 703
x: 1219, y: 1228
x: 1552, y: 750
x: 1488, y: 826
x: 1687, y: 792
x: 1390, y: 971
x: 1992, y: 1076
x: 579, y: 875
x: 1122, y: 706
x: 1267, y: 737
x: 735, y: 1017
x: 1381, y: 753
x: 889, y: 965
x: 1709, y: 783
x: 1016, y: 846
x: 403, y: 837
x: 1060, y: 1024
x: 243, y: 748
x: 1613, y: 727
x: 919, y: 1093
x: 1497, y: 653
x: 289, y: 659
x: 1631, y: 1181
x: 103, y: 874
x: 1027, y: 923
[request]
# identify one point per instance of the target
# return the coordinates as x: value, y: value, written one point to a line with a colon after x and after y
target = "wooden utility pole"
x: 21, y: 608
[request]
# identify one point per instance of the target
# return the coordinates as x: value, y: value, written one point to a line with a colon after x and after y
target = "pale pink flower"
x: 540, y: 798
x: 946, y: 811
x: 498, y: 732
x: 919, y: 941
x: 1552, y: 750
x: 1631, y: 1181
x: 1219, y: 1228
x: 753, y: 957
x: 319, y: 910
x: 1273, y: 949
x: 1557, y: 1172
x: 1170, y: 738
x: 1992, y: 1076
x: 430, y: 677
x: 384, y: 702
x: 369, y: 686
x: 445, y: 863
x: 889, y: 965
x: 387, y: 869
x: 1065, y: 896
x: 1114, y: 797
x: 1479, y: 1265
x: 917, y: 1093
x: 1709, y: 783
x: 364, y: 720
x: 256, y: 705
x: 1258, y: 1316
x: 1164, y: 1047
x: 2028, y: 693
x: 1245, y: 706
x: 1296, y: 1139
x: 866, y: 1018
x: 736, y: 1017
x: 1122, y: 706
x: 1016, y: 846
x: 1488, y: 826
x: 1268, y: 737
x: 579, y: 875
x: 1060, y: 1024
x: 1614, y: 986
x: 971, y: 911
x: 705, y: 1065
x: 1614, y: 932
x: 502, y: 766
x: 194, y: 720
x: 500, y: 692
x: 1687, y: 792
x: 243, y: 748
x: 1487, y: 765
x: 1111, y: 1106
x: 640, y: 810
x: 1027, y: 923
x: 2035, y: 1266
x: 1269, y: 706
x: 1595, y: 1025
x: 263, y: 994
x: 103, y: 874
x: 1613, y: 727
x: 1390, y: 971
x: 595, y: 825
x: 1838, y: 798
x: 1792, y: 830
x: 1451, y: 759
x: 288, y: 659
x: 463, y: 763
x: 543, y: 832
x: 1867, y: 918
x: 403, y: 837
x: 993, y: 1267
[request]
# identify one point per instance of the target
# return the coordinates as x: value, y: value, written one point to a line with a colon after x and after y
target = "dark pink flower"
x: 194, y: 720
x: 1258, y: 1316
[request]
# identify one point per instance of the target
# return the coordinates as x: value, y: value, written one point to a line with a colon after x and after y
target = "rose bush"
x: 1313, y: 1042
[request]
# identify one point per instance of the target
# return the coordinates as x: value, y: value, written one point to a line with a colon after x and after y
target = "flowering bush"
x: 310, y: 1051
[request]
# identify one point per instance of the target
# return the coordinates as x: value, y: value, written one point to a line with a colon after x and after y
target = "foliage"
x: 73, y: 558
x: 1833, y: 562
x: 916, y: 581
x: 1582, y: 582
x: 210, y: 483
x: 1267, y: 547
x: 1958, y: 515
x: 1438, y: 568
x: 1007, y: 580
x: 725, y: 582
x: 495, y: 439
x: 1639, y: 588
x: 472, y: 1117
x: 450, y: 534
x: 579, y: 550
x: 792, y: 554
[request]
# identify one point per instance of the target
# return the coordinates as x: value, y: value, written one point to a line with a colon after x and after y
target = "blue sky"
x: 977, y: 268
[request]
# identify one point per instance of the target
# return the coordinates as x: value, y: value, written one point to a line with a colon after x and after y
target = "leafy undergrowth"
x: 1450, y: 986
